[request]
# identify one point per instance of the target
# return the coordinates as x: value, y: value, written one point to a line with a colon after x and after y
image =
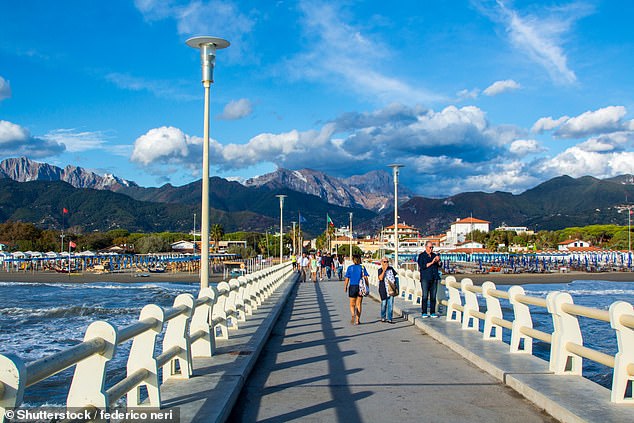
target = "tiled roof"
x: 471, y: 220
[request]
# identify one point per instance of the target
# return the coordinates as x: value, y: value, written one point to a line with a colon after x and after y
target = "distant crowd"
x: 319, y: 266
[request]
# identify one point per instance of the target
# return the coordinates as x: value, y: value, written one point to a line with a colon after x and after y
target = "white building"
x: 572, y: 243
x: 461, y: 227
x: 517, y: 229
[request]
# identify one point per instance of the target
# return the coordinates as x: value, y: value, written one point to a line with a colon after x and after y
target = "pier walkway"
x: 316, y: 366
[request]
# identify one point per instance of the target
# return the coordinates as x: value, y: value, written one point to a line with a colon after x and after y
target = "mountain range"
x: 37, y: 192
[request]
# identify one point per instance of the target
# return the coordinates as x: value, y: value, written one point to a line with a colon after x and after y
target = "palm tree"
x: 216, y: 233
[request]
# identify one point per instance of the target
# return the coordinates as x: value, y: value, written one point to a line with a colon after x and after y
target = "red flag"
x: 72, y: 244
x: 65, y: 210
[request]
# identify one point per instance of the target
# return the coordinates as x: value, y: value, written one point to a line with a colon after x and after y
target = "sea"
x: 39, y: 319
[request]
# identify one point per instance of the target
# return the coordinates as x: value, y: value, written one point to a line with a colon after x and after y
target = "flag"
x: 329, y: 220
x: 65, y: 210
x: 72, y: 244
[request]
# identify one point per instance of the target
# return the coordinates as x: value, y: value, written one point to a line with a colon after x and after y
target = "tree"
x: 152, y: 244
x: 216, y: 233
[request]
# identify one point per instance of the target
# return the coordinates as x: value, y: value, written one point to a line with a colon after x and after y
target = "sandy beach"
x: 193, y: 278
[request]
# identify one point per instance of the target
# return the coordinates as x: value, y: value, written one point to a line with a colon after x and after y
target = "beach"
x: 193, y: 278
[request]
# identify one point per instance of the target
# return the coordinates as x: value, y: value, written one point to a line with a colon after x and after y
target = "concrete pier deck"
x: 317, y: 366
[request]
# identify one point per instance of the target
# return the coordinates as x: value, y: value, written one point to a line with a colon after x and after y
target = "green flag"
x: 329, y: 220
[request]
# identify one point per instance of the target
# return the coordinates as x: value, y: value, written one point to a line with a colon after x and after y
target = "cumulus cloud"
x: 18, y: 141
x: 76, y: 141
x: 607, y: 119
x: 577, y: 161
x: 548, y: 124
x: 236, y: 109
x: 5, y: 89
x: 166, y: 144
x: 196, y: 17
x: 541, y: 35
x: 498, y: 87
x: 468, y: 94
x: 525, y: 147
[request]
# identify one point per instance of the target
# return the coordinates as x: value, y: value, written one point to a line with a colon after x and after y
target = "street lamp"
x: 281, y: 197
x: 294, y: 237
x: 207, y: 47
x: 395, y: 170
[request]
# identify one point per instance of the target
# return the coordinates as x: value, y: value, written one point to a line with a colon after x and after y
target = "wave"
x: 574, y: 292
x: 57, y: 312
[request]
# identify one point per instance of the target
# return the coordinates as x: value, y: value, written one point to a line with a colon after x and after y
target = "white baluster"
x: 522, y: 318
x: 625, y: 356
x: 470, y: 304
x: 566, y: 329
x: 13, y: 379
x: 493, y: 310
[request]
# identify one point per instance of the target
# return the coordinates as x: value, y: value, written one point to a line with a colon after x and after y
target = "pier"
x: 264, y: 347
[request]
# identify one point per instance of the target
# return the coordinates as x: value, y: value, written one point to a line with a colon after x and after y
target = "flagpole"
x: 69, y: 259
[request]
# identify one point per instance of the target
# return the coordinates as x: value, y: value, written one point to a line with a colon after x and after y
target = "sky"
x: 469, y: 95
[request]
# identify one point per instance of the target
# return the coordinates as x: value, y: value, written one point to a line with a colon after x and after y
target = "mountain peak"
x: 23, y: 169
x: 373, y: 190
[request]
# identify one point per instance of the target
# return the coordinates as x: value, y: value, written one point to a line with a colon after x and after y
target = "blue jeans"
x: 386, y: 305
x: 328, y: 272
x: 429, y: 294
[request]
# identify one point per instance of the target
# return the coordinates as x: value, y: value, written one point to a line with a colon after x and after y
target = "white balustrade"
x: 566, y: 341
x: 192, y: 327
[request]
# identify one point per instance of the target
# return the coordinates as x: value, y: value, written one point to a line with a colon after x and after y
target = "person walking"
x: 387, y: 286
x: 304, y: 262
x: 340, y: 262
x: 294, y: 261
x: 354, y: 274
x: 428, y: 264
x: 314, y: 268
x: 327, y: 263
x: 318, y: 261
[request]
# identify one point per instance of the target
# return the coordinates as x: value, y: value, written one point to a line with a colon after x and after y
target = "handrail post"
x: 206, y: 345
x: 219, y: 312
x: 522, y: 319
x: 566, y: 329
x: 142, y: 357
x: 13, y: 379
x: 470, y: 304
x: 493, y: 310
x: 625, y: 355
x: 176, y: 336
x: 87, y: 387
x: 454, y: 300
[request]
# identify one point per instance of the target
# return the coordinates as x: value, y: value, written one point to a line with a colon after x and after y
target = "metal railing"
x: 192, y: 326
x: 567, y: 350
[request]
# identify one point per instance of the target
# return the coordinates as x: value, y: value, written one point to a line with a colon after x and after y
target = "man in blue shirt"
x: 429, y: 264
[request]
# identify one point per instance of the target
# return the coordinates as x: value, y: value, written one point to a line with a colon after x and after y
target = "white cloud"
x: 577, y: 162
x: 5, y: 89
x: 197, y: 17
x: 498, y: 87
x: 525, y: 147
x: 607, y: 119
x: 17, y: 141
x: 165, y: 144
x: 548, y: 124
x: 236, y: 109
x: 468, y: 94
x: 342, y: 53
x: 541, y: 37
x: 77, y: 141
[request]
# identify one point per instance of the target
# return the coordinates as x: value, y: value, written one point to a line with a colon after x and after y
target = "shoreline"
x: 194, y: 278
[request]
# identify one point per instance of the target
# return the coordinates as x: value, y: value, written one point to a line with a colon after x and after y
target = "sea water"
x: 40, y: 319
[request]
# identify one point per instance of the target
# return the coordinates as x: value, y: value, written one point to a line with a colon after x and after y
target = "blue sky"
x: 469, y: 95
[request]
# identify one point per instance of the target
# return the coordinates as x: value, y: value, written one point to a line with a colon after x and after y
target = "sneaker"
x: 425, y: 316
x: 434, y: 315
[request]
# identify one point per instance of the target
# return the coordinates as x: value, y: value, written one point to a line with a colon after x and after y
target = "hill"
x: 555, y: 204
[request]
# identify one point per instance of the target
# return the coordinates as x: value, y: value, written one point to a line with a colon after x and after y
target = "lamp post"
x: 294, y: 237
x: 395, y: 170
x: 350, y: 236
x: 281, y: 197
x: 207, y: 47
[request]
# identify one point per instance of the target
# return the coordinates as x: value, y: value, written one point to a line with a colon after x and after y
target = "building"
x: 517, y: 229
x: 461, y: 227
x: 404, y: 232
x: 572, y: 244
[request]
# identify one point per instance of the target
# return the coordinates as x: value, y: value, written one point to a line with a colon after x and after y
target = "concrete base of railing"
x: 214, y: 389
x: 566, y: 398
